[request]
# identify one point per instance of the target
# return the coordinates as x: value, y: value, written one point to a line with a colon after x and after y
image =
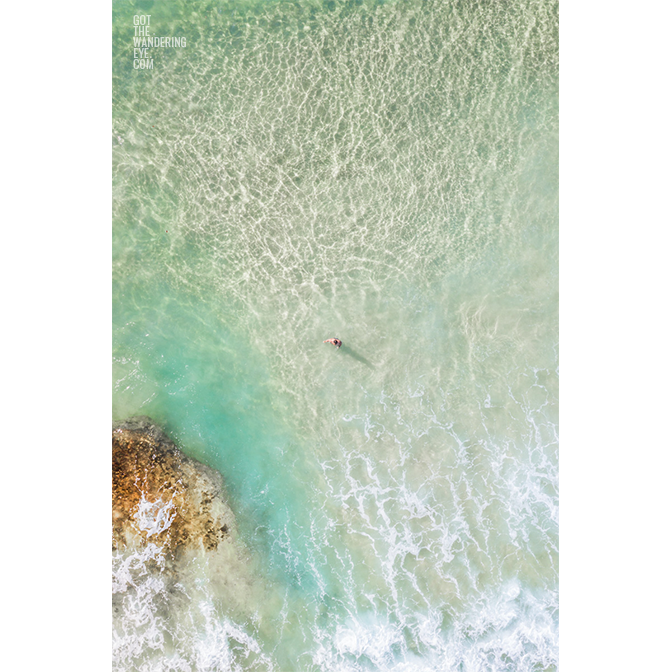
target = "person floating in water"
x: 334, y: 341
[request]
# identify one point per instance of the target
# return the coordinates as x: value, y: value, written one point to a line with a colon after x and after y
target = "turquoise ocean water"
x: 384, y: 173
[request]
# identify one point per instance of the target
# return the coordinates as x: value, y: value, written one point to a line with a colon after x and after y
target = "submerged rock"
x: 175, y: 545
x: 160, y: 495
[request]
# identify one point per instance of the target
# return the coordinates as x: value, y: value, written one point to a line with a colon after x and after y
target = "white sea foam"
x: 505, y: 631
x: 163, y: 625
x: 137, y: 596
x: 154, y: 517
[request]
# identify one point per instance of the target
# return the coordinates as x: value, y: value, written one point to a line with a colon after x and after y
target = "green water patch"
x: 177, y: 361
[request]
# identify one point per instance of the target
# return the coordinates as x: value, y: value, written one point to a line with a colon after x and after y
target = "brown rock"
x: 162, y: 496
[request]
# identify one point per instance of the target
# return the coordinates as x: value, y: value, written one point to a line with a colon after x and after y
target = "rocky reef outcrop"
x: 162, y: 496
x: 174, y: 545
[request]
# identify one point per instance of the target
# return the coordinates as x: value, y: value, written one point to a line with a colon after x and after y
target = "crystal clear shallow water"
x: 386, y: 174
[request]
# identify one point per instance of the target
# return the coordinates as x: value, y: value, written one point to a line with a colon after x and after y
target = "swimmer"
x: 334, y: 341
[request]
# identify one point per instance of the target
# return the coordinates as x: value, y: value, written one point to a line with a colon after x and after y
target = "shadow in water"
x: 355, y: 355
